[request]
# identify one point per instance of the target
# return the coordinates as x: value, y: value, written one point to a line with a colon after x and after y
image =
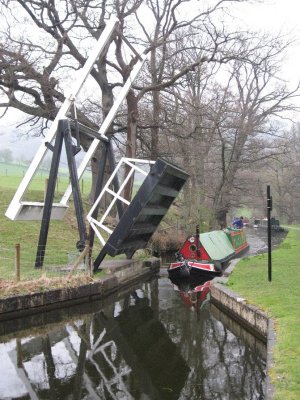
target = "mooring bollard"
x: 17, y: 262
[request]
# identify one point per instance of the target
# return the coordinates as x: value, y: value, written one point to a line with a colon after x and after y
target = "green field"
x: 62, y: 237
x: 12, y: 174
x: 281, y: 299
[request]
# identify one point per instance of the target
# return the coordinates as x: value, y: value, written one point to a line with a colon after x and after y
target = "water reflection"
x: 194, y: 292
x: 142, y: 344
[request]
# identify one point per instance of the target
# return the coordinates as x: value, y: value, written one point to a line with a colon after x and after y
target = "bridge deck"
x: 142, y: 217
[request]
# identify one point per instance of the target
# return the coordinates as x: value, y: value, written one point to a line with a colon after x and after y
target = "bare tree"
x: 31, y: 71
x: 221, y: 131
x: 6, y: 155
x: 227, y: 121
x: 242, y: 118
x: 34, y: 61
x: 179, y: 47
x: 282, y: 174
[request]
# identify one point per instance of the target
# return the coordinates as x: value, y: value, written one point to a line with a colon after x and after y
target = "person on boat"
x: 239, y: 223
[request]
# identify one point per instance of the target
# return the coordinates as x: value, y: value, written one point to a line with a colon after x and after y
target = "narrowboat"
x: 263, y: 223
x: 238, y: 240
x: 208, y: 254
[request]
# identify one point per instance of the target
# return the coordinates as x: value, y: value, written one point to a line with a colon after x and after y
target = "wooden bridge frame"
x: 24, y: 210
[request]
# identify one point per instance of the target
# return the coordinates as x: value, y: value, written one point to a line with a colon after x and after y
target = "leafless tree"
x: 34, y: 65
x: 218, y: 122
x: 241, y: 121
x: 227, y: 121
x: 55, y: 38
x: 282, y: 174
x: 257, y: 102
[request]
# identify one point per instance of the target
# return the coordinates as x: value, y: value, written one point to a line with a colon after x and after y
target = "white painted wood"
x: 106, y: 124
x: 98, y: 225
x: 20, y: 210
x: 15, y: 207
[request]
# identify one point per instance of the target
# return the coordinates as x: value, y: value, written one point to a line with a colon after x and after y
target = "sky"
x: 22, y: 146
x: 275, y: 16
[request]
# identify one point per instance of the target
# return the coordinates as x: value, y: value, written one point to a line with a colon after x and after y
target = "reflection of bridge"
x: 126, y: 350
x: 108, y: 355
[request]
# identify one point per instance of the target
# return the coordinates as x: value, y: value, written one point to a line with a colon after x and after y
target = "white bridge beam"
x: 24, y: 210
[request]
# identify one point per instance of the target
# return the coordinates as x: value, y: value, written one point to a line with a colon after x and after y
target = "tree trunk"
x: 132, y: 116
x: 155, y: 128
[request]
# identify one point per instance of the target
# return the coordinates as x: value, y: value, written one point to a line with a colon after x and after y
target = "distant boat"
x: 263, y: 223
x: 208, y: 254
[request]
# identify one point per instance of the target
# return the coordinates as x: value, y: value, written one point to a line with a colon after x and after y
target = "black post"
x: 269, y: 209
x: 49, y: 197
x: 71, y: 151
x: 198, y: 240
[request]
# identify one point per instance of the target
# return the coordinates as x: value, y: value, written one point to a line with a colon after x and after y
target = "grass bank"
x: 281, y: 299
x: 61, y: 252
x: 62, y: 237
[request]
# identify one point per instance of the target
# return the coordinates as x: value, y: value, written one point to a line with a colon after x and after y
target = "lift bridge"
x: 138, y: 218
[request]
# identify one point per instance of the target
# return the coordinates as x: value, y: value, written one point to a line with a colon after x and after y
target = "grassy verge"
x: 43, y: 284
x: 61, y: 249
x: 281, y: 299
x: 61, y: 245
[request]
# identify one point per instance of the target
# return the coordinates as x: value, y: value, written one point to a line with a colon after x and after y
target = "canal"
x: 150, y: 341
x: 258, y: 240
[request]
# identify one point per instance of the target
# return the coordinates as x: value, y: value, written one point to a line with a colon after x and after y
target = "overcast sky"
x: 268, y: 15
x: 277, y: 16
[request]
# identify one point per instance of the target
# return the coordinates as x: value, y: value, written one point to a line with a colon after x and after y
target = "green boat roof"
x: 217, y: 245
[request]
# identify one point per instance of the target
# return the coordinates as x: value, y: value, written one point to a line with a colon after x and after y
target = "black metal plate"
x: 142, y: 217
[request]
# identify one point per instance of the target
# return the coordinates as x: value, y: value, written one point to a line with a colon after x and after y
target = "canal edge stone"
x: 251, y: 317
x: 36, y: 302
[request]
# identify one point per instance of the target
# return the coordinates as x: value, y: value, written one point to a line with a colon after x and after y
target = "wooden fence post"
x: 79, y: 259
x: 46, y: 188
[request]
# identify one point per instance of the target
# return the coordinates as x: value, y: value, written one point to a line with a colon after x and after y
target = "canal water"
x: 150, y: 341
x: 258, y: 239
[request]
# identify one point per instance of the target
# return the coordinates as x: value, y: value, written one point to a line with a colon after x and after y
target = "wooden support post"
x: 79, y: 259
x: 46, y: 188
x: 19, y: 353
x: 17, y: 262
